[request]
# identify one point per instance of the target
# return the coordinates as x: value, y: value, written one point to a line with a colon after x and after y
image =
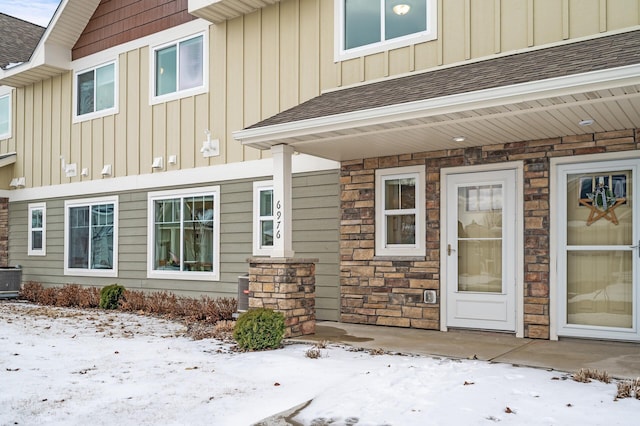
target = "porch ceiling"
x: 529, y: 96
x: 543, y: 118
x: 217, y: 11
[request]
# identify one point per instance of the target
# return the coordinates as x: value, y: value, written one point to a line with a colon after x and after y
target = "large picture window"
x: 367, y: 26
x: 262, y: 217
x: 5, y: 116
x: 184, y: 234
x: 400, y: 212
x: 37, y: 238
x: 96, y: 91
x: 91, y: 237
x: 179, y: 67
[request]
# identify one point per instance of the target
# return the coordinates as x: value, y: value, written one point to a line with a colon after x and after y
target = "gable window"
x: 179, y: 67
x: 96, y: 91
x: 262, y: 217
x: 400, y: 211
x: 368, y: 26
x: 184, y: 230
x: 91, y: 237
x: 5, y: 116
x: 37, y: 238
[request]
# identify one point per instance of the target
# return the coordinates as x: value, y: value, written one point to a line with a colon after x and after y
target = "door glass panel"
x: 599, y: 288
x: 480, y: 266
x: 599, y: 257
x: 599, y: 209
x: 480, y: 238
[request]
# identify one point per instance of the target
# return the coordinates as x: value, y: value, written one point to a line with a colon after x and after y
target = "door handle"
x: 449, y: 249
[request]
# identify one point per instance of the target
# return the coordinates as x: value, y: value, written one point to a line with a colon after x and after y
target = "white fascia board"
x: 198, y: 176
x: 591, y: 81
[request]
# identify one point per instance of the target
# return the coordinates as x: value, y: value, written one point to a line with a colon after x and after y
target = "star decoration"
x: 596, y: 213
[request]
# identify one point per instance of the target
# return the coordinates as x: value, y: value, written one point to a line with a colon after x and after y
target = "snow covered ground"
x: 74, y: 367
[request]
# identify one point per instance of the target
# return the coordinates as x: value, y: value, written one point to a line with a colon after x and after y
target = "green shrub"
x: 259, y: 329
x: 110, y: 296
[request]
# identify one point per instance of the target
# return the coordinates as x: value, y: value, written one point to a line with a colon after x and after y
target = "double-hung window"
x: 91, y: 237
x: 262, y: 217
x: 369, y: 26
x: 400, y: 211
x: 96, y: 91
x: 5, y: 116
x: 37, y: 237
x: 184, y: 234
x: 179, y: 68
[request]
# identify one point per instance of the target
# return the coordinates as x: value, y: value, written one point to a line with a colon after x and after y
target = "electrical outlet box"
x: 430, y: 296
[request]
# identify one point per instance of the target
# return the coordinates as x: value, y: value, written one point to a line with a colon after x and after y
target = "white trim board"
x: 197, y: 176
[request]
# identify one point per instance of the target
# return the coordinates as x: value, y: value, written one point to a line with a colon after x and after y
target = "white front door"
x: 480, y: 250
x: 598, y: 254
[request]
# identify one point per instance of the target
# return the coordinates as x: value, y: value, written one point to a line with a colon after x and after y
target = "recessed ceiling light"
x: 586, y: 122
x: 401, y: 9
x: 458, y: 138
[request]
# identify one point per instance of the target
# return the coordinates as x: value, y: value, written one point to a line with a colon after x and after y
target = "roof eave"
x: 218, y: 11
x: 52, y: 55
x: 267, y: 136
x: 47, y: 62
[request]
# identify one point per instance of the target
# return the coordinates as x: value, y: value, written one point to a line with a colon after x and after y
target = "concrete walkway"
x: 619, y: 359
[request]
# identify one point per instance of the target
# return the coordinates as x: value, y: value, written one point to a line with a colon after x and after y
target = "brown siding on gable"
x: 388, y: 291
x: 119, y: 21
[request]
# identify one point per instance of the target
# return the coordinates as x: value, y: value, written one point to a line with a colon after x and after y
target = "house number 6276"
x: 278, y: 219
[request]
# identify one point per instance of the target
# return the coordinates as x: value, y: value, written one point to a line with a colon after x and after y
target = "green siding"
x: 315, y: 234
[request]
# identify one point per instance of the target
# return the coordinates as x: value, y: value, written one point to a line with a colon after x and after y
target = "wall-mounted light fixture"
x: 84, y: 172
x: 18, y: 182
x: 158, y: 163
x: 70, y: 170
x: 173, y: 160
x: 210, y: 147
x: 106, y: 170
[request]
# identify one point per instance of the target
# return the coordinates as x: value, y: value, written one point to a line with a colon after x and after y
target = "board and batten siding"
x: 260, y: 64
x: 315, y: 234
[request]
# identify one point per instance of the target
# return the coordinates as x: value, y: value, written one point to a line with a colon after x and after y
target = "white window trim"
x: 84, y: 203
x: 102, y: 113
x: 258, y: 250
x: 30, y: 250
x: 179, y: 94
x: 341, y: 54
x: 7, y: 95
x: 419, y: 248
x: 181, y: 275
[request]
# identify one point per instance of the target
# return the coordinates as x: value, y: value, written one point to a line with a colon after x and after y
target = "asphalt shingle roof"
x: 18, y: 39
x: 575, y: 58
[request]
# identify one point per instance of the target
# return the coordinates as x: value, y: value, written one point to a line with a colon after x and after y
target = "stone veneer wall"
x: 288, y: 286
x: 4, y: 232
x: 388, y: 291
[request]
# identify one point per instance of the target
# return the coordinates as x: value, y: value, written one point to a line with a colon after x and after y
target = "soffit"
x: 535, y: 95
x: 218, y: 11
x: 52, y: 55
x: 543, y: 118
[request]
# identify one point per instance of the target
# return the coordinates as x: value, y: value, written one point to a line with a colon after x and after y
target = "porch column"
x: 282, y: 245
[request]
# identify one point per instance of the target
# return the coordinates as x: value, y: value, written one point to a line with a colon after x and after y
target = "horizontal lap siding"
x: 316, y: 205
x: 315, y: 234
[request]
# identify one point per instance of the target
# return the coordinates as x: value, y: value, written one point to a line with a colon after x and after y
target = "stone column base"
x: 286, y: 285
